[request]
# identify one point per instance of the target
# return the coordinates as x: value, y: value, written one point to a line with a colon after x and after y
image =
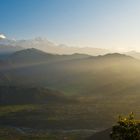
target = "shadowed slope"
x: 103, y: 135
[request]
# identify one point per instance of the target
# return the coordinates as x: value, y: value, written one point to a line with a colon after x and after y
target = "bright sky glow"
x: 95, y: 23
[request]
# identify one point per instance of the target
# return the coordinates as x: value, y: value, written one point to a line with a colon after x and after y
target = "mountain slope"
x: 6, y: 50
x: 134, y: 54
x: 29, y: 56
x: 35, y: 56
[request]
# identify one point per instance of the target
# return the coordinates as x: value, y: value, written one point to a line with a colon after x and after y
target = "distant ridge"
x: 33, y: 56
x: 115, y: 56
x: 31, y: 52
x: 50, y: 47
x: 6, y: 50
x: 39, y: 53
x: 134, y: 54
x: 28, y: 56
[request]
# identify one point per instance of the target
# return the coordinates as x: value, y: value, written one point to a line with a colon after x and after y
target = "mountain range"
x: 50, y: 47
x: 77, y: 70
x: 8, y: 46
x: 75, y: 91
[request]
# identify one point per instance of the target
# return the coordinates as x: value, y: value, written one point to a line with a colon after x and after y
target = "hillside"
x: 30, y: 56
x: 134, y: 54
x: 6, y: 50
x: 10, y: 95
x: 103, y: 135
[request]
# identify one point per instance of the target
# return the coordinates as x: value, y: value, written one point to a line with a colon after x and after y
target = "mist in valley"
x: 69, y: 70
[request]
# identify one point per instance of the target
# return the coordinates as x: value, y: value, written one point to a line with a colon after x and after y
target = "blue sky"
x: 95, y: 23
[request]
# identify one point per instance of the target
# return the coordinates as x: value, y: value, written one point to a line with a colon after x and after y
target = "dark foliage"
x: 127, y: 128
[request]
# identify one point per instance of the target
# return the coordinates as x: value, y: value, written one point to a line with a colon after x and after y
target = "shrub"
x: 127, y: 128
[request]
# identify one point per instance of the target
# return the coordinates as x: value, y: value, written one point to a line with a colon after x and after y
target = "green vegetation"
x: 127, y: 128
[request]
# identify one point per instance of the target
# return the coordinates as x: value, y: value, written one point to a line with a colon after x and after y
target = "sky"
x: 94, y: 23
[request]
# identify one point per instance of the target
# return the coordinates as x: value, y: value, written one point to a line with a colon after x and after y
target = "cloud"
x: 2, y: 36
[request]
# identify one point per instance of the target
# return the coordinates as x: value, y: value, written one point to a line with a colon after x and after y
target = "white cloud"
x: 2, y: 36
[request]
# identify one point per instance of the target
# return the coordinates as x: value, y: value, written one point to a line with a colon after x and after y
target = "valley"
x: 70, y: 96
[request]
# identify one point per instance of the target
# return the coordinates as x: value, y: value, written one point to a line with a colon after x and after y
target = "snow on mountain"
x: 50, y: 47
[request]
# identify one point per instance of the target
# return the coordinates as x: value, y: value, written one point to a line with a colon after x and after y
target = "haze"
x: 68, y: 68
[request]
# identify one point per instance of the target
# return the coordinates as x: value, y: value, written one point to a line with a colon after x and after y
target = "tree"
x: 127, y: 128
